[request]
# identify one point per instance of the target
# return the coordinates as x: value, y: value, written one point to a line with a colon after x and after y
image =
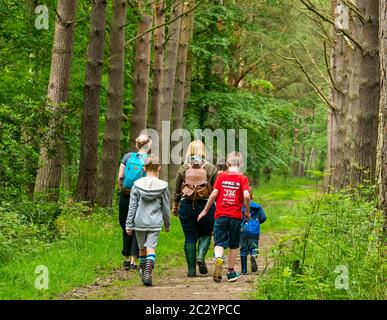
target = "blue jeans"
x: 227, y: 232
x: 188, y: 214
x: 249, y: 246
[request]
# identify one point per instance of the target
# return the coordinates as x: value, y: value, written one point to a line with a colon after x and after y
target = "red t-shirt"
x: 230, y: 198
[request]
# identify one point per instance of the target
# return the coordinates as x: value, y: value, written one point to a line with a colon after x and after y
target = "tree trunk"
x: 382, y: 141
x: 363, y: 97
x: 87, y: 179
x: 66, y: 169
x: 295, y: 163
x: 338, y: 156
x: 108, y: 165
x: 158, y: 64
x: 49, y: 172
x: 188, y: 74
x: 30, y: 10
x: 180, y: 84
x: 172, y: 48
x: 141, y: 78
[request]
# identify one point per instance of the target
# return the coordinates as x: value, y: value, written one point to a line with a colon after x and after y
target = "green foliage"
x: 338, y: 231
x: 268, y: 122
x: 25, y: 226
x: 95, y: 241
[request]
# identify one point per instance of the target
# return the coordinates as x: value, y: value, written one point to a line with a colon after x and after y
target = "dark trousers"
x: 192, y: 228
x: 249, y: 246
x: 130, y: 246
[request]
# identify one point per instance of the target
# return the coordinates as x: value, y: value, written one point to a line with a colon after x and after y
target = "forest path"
x: 173, y: 284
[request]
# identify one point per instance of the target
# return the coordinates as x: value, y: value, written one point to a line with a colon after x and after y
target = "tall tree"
x: 158, y: 64
x: 382, y: 141
x: 172, y: 48
x: 363, y: 95
x: 180, y: 87
x: 108, y: 165
x: 337, y: 165
x: 87, y: 179
x: 188, y: 75
x: 352, y: 125
x: 141, y: 75
x: 49, y: 173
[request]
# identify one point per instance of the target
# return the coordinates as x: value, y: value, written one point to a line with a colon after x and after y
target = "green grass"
x: 335, y: 232
x: 282, y: 200
x: 92, y: 245
x: 92, y: 248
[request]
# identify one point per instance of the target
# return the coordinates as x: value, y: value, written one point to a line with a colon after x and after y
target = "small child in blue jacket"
x: 250, y: 232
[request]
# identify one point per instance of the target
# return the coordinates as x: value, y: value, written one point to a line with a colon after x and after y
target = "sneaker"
x: 127, y: 265
x: 217, y: 274
x: 254, y: 266
x: 233, y: 276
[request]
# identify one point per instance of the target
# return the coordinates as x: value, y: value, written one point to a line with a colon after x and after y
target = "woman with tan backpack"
x: 194, y: 182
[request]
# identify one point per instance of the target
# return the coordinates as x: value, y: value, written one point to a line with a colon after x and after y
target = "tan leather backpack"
x: 196, y: 185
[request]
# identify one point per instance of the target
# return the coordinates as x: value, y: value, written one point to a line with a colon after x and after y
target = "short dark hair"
x: 152, y: 163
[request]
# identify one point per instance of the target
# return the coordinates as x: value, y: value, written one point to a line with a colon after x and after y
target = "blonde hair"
x: 143, y: 142
x: 195, y: 148
x: 235, y: 159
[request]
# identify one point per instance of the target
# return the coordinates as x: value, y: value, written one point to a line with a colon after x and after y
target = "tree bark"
x: 295, y: 152
x: 87, y: 179
x: 188, y: 75
x: 67, y: 180
x: 382, y: 141
x: 364, y: 95
x: 158, y: 64
x: 50, y: 160
x: 107, y: 170
x: 180, y: 83
x: 172, y: 48
x: 141, y: 78
x: 338, y: 154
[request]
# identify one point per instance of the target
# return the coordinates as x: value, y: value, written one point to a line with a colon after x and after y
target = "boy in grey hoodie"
x: 148, y: 209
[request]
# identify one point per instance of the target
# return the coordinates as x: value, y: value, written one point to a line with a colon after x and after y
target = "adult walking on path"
x: 131, y: 169
x: 194, y: 183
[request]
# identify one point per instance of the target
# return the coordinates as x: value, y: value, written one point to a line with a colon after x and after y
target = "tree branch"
x: 316, y: 88
x: 323, y: 16
x: 162, y: 25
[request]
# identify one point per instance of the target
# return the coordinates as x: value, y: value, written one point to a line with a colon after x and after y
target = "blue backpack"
x: 252, y: 228
x: 134, y: 169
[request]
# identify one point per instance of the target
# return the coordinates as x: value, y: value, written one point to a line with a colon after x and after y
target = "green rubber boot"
x: 190, y: 256
x: 203, y: 246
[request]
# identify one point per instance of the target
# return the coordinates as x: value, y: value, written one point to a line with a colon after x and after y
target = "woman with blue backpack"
x: 131, y: 169
x: 249, y: 238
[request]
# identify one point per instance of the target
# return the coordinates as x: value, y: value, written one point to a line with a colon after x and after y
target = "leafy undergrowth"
x: 90, y: 247
x: 337, y: 254
x: 281, y: 199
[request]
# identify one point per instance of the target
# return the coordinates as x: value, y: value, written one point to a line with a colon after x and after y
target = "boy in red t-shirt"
x: 231, y: 191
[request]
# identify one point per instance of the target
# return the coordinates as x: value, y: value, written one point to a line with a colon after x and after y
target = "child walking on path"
x: 131, y: 169
x: 250, y: 232
x: 148, y: 209
x: 231, y: 191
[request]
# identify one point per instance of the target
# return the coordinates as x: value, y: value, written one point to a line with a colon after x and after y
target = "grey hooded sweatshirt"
x: 149, y: 205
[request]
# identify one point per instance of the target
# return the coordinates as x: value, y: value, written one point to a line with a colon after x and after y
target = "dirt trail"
x: 174, y: 284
